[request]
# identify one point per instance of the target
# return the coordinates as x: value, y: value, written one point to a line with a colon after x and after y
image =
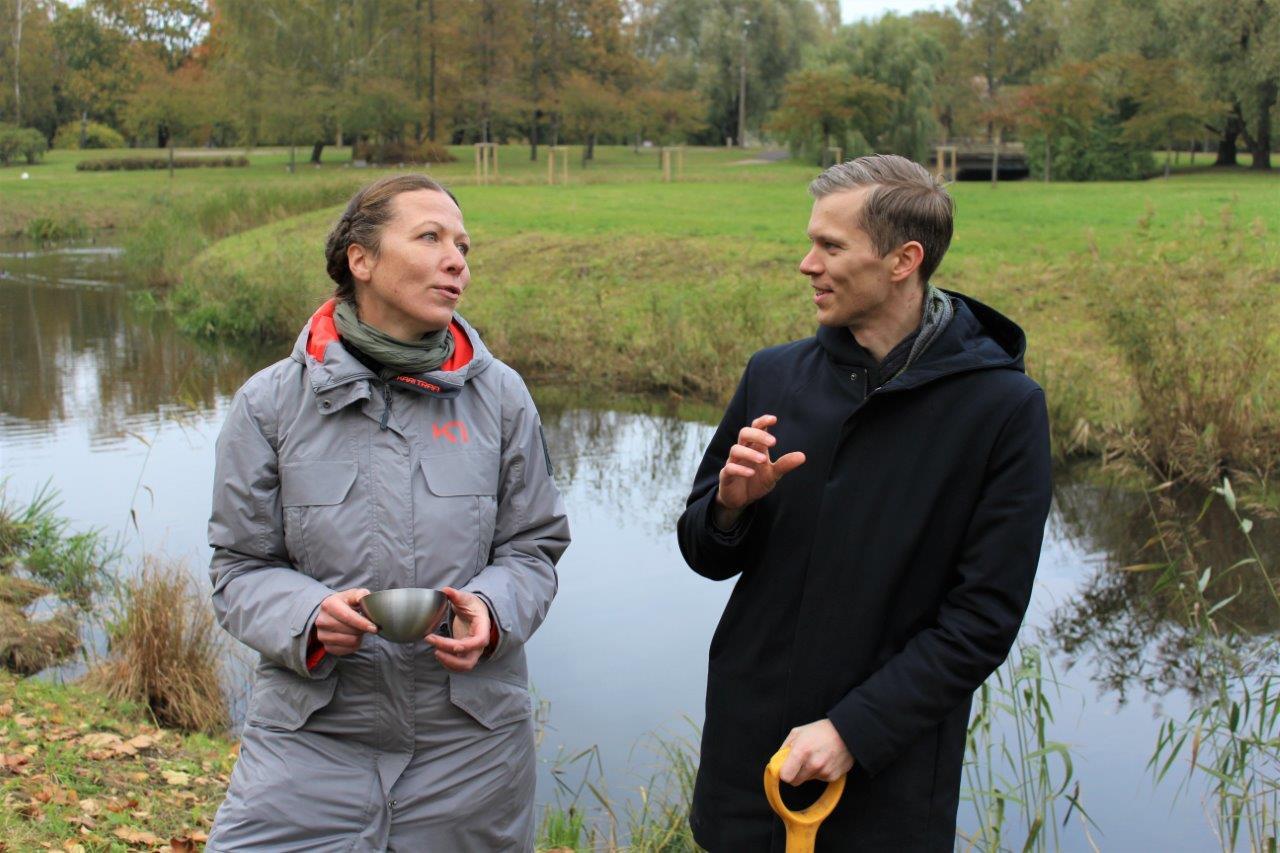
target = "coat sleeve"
x: 711, y: 552
x: 258, y: 596
x: 531, y: 531
x: 979, y: 618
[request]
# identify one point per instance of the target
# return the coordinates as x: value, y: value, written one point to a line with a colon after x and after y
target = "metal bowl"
x: 404, y: 615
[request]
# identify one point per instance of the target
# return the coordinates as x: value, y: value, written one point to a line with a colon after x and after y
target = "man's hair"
x: 906, y: 203
x: 361, y: 224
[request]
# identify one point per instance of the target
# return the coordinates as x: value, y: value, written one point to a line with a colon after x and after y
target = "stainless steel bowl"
x: 404, y: 615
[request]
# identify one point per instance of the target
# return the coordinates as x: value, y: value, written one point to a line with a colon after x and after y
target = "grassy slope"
x: 672, y: 286
x: 66, y: 776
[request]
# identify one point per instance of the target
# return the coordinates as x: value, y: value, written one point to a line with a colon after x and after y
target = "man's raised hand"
x: 749, y: 473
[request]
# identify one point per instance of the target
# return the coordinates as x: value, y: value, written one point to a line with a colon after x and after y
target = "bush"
x: 96, y: 135
x: 18, y: 142
x: 133, y: 164
x: 402, y: 152
x: 1095, y: 152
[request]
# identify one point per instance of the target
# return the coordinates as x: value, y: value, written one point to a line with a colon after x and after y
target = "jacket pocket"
x: 285, y: 701
x: 306, y: 488
x: 467, y: 485
x: 491, y: 702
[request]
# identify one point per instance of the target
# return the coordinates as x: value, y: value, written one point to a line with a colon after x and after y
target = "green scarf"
x: 427, y: 353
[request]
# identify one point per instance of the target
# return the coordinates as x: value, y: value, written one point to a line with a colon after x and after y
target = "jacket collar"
x: 334, y: 372
x: 977, y: 338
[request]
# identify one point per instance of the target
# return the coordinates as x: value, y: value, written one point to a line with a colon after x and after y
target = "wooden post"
x: 486, y: 161
x: 563, y: 152
x: 995, y: 161
x: 680, y: 161
x: 170, y: 156
x: 945, y: 155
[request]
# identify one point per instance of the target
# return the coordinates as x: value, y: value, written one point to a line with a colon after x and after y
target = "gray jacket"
x: 313, y: 495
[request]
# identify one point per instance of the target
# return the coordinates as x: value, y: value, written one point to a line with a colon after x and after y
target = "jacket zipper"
x: 386, y: 407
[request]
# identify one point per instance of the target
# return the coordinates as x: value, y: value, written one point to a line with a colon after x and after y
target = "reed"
x: 165, y: 650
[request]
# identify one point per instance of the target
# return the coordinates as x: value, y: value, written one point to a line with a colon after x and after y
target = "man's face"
x: 851, y: 282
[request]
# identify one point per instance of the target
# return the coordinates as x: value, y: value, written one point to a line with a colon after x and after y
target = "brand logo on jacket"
x: 455, y: 432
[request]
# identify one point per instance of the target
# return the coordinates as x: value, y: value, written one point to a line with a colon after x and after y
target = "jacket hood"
x: 977, y: 338
x: 329, y: 364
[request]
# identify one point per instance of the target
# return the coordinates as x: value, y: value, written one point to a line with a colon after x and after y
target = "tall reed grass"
x: 1194, y: 321
x: 165, y: 650
x: 1231, y: 737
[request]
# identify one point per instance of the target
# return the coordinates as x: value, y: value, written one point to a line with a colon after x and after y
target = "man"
x: 880, y: 490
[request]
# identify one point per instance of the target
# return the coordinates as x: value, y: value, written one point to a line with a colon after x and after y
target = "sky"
x: 856, y: 10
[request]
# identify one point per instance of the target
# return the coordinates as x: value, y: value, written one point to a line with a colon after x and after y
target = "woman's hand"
x: 340, y: 628
x: 462, y: 651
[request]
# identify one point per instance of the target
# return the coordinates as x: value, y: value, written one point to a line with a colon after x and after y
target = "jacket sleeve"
x: 711, y: 552
x: 258, y: 596
x: 979, y: 618
x: 531, y: 531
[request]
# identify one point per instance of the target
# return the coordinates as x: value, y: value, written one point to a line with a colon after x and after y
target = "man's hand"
x: 339, y: 627
x: 749, y: 474
x: 470, y: 629
x: 817, y: 752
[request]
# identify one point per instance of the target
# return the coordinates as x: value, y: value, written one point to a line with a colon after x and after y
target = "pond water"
x: 112, y: 407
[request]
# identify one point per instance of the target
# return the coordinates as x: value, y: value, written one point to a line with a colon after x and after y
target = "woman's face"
x: 414, y: 283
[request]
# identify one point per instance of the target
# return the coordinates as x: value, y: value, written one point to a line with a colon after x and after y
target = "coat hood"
x: 329, y: 364
x: 977, y: 338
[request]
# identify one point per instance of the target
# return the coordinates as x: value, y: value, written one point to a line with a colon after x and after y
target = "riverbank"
x: 669, y: 288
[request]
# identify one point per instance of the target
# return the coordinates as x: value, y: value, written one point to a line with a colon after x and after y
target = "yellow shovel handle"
x: 802, y: 826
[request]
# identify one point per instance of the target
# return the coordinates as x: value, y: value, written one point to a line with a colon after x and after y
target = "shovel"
x: 802, y: 826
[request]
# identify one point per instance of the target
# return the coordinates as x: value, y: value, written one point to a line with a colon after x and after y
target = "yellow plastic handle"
x: 802, y: 826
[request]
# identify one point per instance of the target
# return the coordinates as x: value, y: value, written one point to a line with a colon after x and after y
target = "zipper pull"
x: 386, y: 408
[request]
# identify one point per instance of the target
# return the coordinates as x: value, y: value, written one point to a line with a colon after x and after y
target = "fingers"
x: 340, y: 607
x: 791, y: 767
x: 756, y: 438
x: 461, y: 652
x: 788, y: 463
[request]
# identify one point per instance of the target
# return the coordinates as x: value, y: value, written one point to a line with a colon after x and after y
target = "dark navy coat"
x: 878, y: 585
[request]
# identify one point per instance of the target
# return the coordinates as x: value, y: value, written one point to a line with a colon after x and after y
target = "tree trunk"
x: 995, y: 161
x: 417, y: 71
x: 1260, y: 143
x: 431, y: 72
x: 293, y: 158
x: 84, y: 128
x: 17, y: 63
x: 1227, y: 140
x: 1048, y: 158
x: 1168, y: 157
x: 315, y: 151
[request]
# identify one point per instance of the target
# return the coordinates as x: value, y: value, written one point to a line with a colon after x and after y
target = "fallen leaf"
x: 15, y: 763
x: 75, y: 848
x: 182, y: 845
x: 90, y: 806
x: 30, y: 750
x: 142, y: 742
x: 6, y: 709
x: 24, y: 720
x: 176, y: 777
x: 135, y: 836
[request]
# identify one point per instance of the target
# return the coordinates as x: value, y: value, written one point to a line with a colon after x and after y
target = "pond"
x: 109, y: 404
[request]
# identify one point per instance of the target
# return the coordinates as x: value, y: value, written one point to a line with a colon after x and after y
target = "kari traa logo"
x: 455, y: 432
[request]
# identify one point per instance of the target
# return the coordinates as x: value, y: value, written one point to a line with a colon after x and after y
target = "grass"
x: 670, y: 287
x: 77, y: 768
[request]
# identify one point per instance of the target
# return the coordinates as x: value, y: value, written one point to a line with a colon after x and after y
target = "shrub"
x: 1192, y: 321
x: 164, y: 650
x: 1097, y: 151
x: 403, y: 152
x: 96, y: 135
x: 133, y: 164
x: 44, y: 229
x: 18, y: 142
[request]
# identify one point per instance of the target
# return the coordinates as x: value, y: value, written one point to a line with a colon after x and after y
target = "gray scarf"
x: 937, y: 313
x: 428, y: 353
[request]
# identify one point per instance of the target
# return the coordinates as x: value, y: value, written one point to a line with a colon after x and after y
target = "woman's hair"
x: 362, y: 222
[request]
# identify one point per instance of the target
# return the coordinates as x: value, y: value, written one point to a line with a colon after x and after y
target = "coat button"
x: 391, y: 805
x: 326, y: 404
x: 853, y: 376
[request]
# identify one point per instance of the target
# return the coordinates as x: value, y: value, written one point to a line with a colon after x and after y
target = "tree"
x: 906, y: 59
x: 95, y: 70
x: 1236, y: 44
x: 591, y: 108
x: 665, y: 117
x: 1170, y: 107
x: 1063, y: 106
x: 822, y: 106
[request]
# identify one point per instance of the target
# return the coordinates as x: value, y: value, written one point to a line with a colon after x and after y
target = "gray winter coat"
x: 381, y: 749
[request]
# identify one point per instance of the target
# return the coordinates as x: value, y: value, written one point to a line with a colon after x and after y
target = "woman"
x: 390, y: 450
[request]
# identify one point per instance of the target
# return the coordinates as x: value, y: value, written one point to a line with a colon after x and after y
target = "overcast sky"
x: 855, y: 10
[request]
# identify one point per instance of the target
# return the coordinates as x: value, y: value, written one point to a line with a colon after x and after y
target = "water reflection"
x: 1129, y: 624
x: 76, y: 349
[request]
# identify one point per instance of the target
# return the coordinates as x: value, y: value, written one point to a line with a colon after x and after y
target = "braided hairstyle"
x: 362, y: 222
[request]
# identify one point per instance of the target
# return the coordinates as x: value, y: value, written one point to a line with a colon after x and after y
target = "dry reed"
x: 165, y: 650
